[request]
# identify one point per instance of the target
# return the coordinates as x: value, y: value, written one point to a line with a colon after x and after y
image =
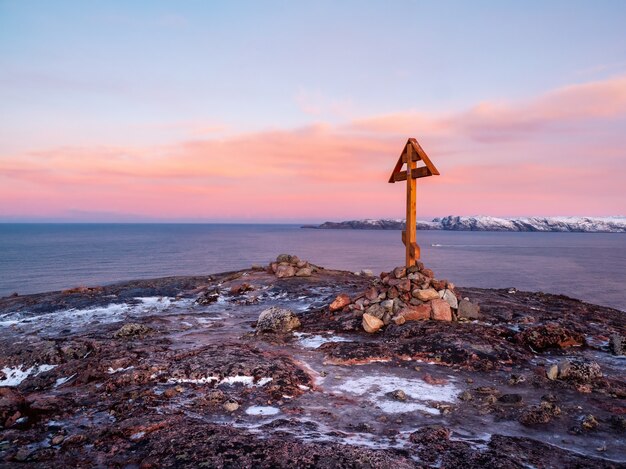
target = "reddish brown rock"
x: 404, y: 285
x: 392, y: 293
x: 468, y: 310
x: 416, y: 313
x: 426, y: 295
x: 428, y: 273
x: 340, y: 302
x: 371, y: 323
x: 239, y: 289
x: 441, y: 310
x: 11, y: 402
x: 371, y: 293
x: 284, y: 271
x: 304, y: 272
x: 399, y: 320
x: 548, y: 336
x: 438, y: 284
x: 399, y: 272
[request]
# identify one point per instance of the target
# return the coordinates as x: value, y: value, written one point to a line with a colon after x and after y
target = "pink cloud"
x: 561, y: 153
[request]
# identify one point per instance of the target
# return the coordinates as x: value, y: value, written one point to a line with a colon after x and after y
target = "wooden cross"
x: 411, y: 154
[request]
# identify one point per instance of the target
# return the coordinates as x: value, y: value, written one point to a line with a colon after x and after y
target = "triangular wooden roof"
x: 418, y: 154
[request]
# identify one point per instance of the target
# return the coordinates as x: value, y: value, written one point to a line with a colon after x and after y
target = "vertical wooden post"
x: 411, y: 154
x: 412, y: 250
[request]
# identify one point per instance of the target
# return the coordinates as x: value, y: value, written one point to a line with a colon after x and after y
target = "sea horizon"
x: 43, y: 257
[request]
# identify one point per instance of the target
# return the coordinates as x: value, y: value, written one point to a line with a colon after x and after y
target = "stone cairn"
x: 287, y: 265
x: 406, y: 294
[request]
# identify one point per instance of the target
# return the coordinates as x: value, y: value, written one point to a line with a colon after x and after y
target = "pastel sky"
x: 286, y: 111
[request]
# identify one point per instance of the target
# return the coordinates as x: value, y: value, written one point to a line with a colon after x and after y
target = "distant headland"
x: 614, y: 224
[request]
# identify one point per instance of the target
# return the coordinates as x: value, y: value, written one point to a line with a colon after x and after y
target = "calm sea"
x: 45, y: 257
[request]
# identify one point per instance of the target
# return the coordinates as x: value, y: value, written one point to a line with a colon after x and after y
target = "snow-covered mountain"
x: 368, y: 224
x: 615, y: 224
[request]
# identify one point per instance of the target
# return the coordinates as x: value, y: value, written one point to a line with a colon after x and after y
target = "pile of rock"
x: 287, y: 265
x: 406, y: 294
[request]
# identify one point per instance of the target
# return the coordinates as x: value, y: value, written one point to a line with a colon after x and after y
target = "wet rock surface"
x: 173, y: 372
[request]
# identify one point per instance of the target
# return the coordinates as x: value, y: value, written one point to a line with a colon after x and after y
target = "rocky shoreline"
x: 294, y: 365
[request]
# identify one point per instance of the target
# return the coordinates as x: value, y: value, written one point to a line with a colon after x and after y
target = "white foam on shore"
x: 376, y: 387
x: 262, y: 410
x: 15, y: 376
x: 75, y: 318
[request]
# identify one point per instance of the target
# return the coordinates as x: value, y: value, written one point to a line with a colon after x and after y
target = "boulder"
x: 404, y: 285
x: 398, y: 395
x: 427, y: 273
x: 429, y: 435
x: 399, y: 272
x: 131, y: 330
x: 371, y: 293
x: 376, y: 310
x: 371, y: 323
x: 230, y: 406
x: 579, y: 371
x: 392, y: 293
x: 426, y: 295
x: 438, y: 284
x: 284, y: 258
x: 441, y: 310
x: 399, y: 320
x: 208, y: 297
x: 468, y: 310
x: 387, y: 304
x: 616, y: 344
x: 416, y: 313
x: 304, y: 272
x: 450, y: 298
x: 241, y: 288
x: 284, y: 271
x: 277, y: 319
x: 340, y: 302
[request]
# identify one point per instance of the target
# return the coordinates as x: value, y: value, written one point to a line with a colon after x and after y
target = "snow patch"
x: 229, y: 380
x: 376, y: 388
x: 15, y: 376
x: 262, y: 410
x: 62, y: 381
x: 112, y: 371
x: 315, y: 341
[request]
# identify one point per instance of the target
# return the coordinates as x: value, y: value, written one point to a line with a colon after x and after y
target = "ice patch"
x: 119, y: 370
x: 315, y: 341
x: 395, y: 407
x: 245, y: 380
x: 62, y: 381
x: 376, y: 387
x: 229, y: 380
x: 262, y: 410
x: 15, y: 376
